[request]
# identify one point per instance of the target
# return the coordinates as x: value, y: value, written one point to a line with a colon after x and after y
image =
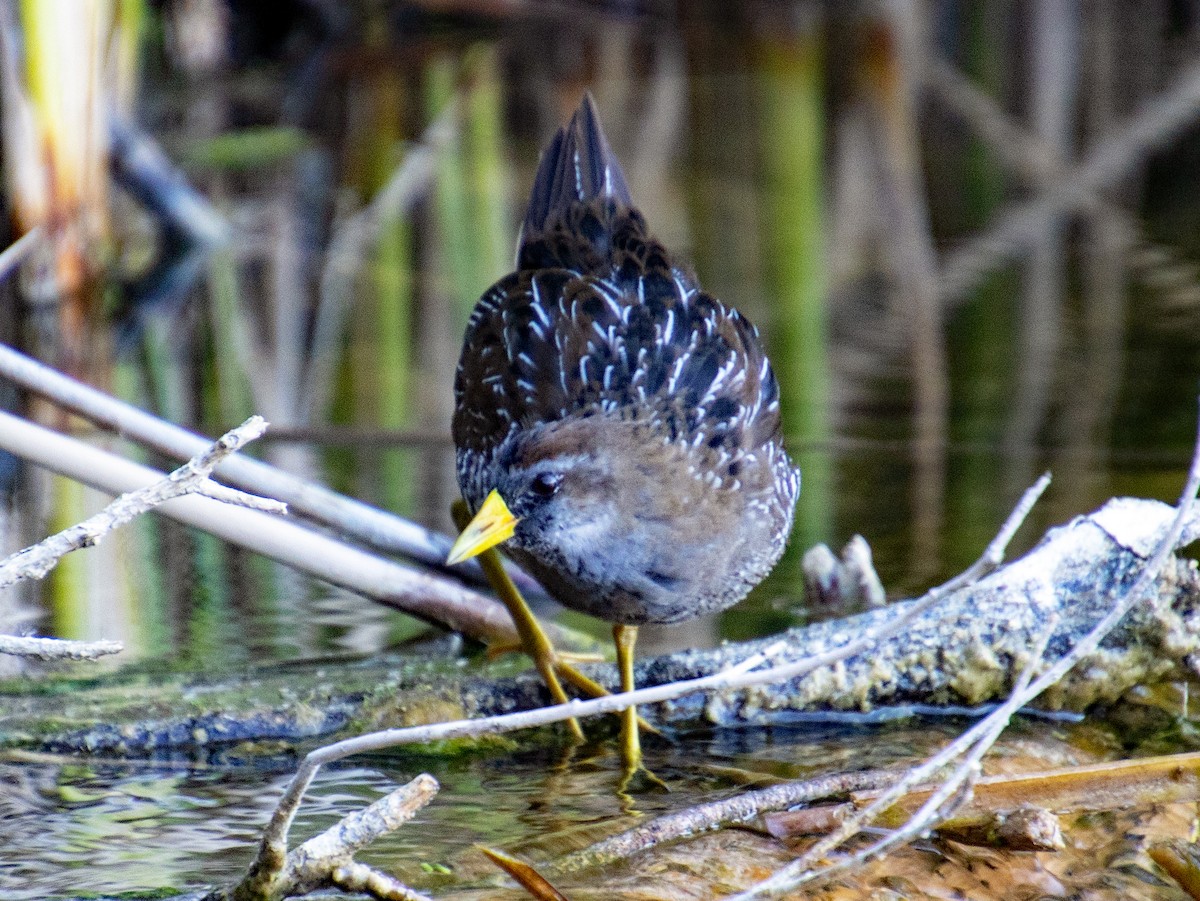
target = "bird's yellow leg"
x: 533, y: 639
x: 625, y: 637
x: 564, y: 658
x: 595, y: 689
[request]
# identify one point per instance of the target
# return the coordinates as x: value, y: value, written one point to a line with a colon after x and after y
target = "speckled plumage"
x: 629, y: 420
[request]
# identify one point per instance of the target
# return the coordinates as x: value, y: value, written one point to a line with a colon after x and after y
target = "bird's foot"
x: 639, y: 780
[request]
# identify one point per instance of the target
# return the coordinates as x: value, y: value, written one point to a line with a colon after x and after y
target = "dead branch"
x: 35, y: 561
x: 741, y: 808
x: 962, y: 653
x: 327, y: 860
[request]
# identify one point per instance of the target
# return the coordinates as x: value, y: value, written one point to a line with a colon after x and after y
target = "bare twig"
x: 1123, y: 783
x: 34, y: 562
x: 236, y: 498
x: 701, y: 818
x: 993, y: 554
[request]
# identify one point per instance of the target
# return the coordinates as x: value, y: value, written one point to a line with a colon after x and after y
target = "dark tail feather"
x: 577, y: 166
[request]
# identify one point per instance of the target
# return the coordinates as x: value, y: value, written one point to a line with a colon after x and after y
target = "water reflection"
x: 106, y: 827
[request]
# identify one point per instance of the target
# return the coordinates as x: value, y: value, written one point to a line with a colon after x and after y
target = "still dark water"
x: 967, y: 237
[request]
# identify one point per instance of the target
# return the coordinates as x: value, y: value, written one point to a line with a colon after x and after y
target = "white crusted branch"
x: 56, y: 648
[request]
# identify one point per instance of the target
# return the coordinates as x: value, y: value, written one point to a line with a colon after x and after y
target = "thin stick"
x: 57, y: 648
x: 706, y: 817
x: 993, y: 554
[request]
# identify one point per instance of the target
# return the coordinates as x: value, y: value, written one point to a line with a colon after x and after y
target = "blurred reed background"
x: 967, y: 230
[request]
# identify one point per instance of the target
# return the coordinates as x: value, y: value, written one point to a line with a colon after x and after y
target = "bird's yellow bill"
x: 493, y: 524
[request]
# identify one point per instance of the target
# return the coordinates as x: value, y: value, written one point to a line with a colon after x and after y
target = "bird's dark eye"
x: 545, y: 484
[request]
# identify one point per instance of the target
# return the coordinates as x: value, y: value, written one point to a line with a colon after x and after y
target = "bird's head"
x: 555, y: 491
x: 602, y: 511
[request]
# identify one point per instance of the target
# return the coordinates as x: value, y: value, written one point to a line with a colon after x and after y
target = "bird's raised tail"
x: 568, y: 221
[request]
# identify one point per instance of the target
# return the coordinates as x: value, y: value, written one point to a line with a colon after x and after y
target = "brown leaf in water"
x: 529, y: 878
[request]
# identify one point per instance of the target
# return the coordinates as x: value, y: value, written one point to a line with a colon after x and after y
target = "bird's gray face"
x: 552, y: 494
x: 603, y: 510
x: 549, y: 493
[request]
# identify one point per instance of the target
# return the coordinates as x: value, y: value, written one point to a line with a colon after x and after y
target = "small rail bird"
x: 616, y: 427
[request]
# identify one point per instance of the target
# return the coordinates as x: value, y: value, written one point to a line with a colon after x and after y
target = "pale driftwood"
x: 327, y: 860
x: 966, y: 651
x: 970, y: 648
